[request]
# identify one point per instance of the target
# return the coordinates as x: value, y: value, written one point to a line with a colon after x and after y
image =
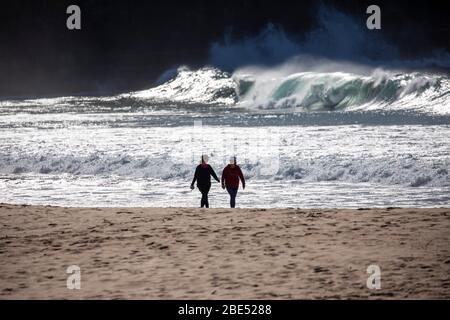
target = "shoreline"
x: 221, y: 253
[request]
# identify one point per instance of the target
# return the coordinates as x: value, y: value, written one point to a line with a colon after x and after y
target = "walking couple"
x: 230, y: 180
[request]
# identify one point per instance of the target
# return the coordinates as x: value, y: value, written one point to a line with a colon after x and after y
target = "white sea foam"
x: 379, y: 155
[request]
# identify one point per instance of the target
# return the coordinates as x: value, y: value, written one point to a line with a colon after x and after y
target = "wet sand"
x: 185, y: 253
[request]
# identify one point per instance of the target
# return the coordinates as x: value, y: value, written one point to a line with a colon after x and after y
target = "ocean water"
x: 303, y: 139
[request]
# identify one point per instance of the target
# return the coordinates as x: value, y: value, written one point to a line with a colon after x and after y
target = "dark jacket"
x: 203, y: 175
x: 231, y: 176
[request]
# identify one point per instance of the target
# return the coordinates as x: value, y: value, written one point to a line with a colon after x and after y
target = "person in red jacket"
x: 230, y: 180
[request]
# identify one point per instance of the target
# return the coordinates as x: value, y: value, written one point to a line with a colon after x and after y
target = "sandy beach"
x: 185, y: 253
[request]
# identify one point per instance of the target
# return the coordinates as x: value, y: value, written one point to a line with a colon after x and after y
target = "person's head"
x: 204, y: 159
x: 232, y: 161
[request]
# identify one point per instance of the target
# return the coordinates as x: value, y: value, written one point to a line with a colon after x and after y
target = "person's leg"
x: 232, y: 192
x: 204, y: 190
x: 233, y: 197
x: 202, y: 201
x: 206, y: 196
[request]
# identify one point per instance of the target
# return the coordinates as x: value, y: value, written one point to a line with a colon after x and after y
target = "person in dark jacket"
x: 230, y: 180
x: 202, y: 175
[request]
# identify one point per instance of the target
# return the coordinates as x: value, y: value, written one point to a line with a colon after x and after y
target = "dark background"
x: 125, y: 45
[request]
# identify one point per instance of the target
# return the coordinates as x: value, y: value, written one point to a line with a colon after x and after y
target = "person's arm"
x: 211, y: 171
x: 195, y: 177
x: 241, y: 176
x: 223, y: 177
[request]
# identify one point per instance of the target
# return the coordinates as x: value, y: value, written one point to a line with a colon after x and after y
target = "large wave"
x: 346, y: 91
x: 284, y: 87
x: 277, y: 70
x: 287, y: 88
x: 206, y: 86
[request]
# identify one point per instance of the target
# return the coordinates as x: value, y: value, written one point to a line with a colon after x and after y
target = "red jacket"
x: 231, y: 176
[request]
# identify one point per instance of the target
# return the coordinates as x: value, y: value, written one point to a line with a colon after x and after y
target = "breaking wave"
x: 344, y: 91
x: 257, y: 88
x: 206, y: 86
x: 401, y: 170
x: 284, y: 88
x: 277, y: 70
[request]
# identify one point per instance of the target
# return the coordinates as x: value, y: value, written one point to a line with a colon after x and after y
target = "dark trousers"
x: 232, y: 192
x: 204, y: 190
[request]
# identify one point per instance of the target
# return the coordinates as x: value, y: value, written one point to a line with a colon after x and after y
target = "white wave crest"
x: 205, y: 86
